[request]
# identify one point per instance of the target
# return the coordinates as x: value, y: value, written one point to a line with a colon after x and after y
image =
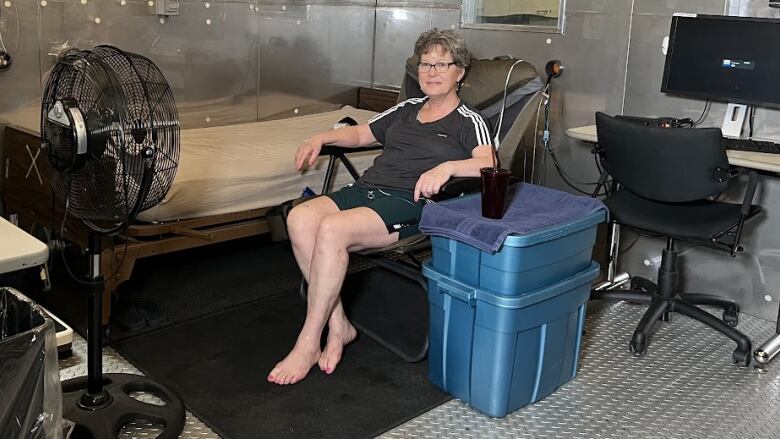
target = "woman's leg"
x: 302, y: 224
x: 337, y: 235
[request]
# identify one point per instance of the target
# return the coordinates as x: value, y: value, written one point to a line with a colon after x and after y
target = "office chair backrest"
x: 663, y: 164
x: 483, y: 89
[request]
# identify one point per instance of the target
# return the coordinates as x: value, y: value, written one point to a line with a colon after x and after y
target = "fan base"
x: 117, y: 407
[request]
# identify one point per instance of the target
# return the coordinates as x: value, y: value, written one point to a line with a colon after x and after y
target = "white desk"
x: 746, y: 159
x: 19, y: 250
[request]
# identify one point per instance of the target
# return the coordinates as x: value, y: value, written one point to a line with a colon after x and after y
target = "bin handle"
x: 458, y: 291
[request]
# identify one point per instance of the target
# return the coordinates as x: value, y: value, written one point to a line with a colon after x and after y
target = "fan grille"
x: 132, y: 133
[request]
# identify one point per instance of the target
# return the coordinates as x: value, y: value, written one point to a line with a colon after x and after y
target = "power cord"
x: 704, y: 112
x: 568, y: 179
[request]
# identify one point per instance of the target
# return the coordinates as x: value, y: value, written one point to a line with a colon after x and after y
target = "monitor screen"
x: 734, y: 59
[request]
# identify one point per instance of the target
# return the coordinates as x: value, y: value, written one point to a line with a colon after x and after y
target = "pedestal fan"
x: 111, y: 133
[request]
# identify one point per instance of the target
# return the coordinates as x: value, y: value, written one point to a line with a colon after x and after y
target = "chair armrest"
x: 458, y: 186
x: 338, y: 150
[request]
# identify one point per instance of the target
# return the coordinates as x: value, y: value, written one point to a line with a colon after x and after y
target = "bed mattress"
x: 234, y: 168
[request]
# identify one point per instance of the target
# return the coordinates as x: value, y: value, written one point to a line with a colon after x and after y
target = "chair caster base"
x: 731, y: 317
x: 741, y: 358
x: 637, y: 349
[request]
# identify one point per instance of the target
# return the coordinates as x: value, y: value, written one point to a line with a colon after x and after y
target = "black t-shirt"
x: 412, y: 148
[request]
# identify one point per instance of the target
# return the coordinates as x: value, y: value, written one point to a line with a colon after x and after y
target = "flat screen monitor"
x: 733, y: 59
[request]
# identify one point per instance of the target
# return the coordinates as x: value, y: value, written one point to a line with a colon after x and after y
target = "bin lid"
x: 534, y: 214
x: 471, y: 294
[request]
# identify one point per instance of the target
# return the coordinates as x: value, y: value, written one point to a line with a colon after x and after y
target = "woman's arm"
x: 347, y: 137
x: 430, y: 182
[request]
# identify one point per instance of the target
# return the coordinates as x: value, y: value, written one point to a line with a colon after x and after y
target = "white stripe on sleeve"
x: 480, y: 127
x: 395, y: 107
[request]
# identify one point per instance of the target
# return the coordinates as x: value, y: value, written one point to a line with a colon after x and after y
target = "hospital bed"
x: 229, y: 178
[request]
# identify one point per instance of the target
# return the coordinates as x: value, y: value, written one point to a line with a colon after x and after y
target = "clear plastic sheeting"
x: 30, y: 393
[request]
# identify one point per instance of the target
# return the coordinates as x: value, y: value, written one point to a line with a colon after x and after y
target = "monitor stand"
x: 733, y: 120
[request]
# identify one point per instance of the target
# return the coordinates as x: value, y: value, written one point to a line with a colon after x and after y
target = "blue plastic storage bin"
x: 499, y: 353
x: 524, y: 262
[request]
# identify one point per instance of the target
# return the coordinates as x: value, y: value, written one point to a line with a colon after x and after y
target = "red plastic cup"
x: 494, y: 184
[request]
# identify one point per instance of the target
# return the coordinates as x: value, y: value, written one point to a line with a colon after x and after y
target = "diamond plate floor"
x: 684, y: 387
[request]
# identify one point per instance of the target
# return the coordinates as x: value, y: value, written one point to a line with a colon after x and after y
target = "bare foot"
x: 337, y: 339
x: 295, y: 366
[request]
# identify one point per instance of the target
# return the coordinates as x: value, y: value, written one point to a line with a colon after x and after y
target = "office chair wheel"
x: 741, y: 358
x: 731, y: 317
x: 642, y: 284
x: 637, y: 348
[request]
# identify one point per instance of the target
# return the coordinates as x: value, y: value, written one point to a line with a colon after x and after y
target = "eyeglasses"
x: 440, y: 67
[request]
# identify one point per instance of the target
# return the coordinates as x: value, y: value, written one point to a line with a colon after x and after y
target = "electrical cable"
x: 571, y: 182
x: 704, y: 112
x: 503, y: 104
x: 5, y: 57
x: 750, y: 120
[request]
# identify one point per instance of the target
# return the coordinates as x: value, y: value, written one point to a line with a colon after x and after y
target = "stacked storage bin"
x: 505, y: 328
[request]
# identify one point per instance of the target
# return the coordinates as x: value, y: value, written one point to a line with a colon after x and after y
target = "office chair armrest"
x: 459, y: 186
x: 750, y: 191
x: 338, y: 150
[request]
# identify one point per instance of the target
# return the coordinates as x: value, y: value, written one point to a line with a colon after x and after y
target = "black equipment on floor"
x: 665, y: 178
x: 111, y: 133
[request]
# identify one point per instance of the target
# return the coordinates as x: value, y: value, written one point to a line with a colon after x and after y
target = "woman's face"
x: 433, y: 82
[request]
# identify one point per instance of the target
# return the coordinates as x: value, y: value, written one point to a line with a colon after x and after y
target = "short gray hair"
x: 449, y: 40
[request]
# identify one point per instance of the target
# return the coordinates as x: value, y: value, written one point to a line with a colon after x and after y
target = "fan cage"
x: 132, y: 130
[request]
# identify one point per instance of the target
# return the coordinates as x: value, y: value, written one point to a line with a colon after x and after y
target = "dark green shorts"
x: 396, y: 207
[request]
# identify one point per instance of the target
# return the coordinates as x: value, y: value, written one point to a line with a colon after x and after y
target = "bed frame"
x: 27, y: 193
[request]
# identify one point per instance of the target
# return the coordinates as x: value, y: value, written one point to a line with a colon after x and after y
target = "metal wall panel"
x: 208, y: 54
x: 397, y: 30
x: 313, y: 56
x: 20, y: 83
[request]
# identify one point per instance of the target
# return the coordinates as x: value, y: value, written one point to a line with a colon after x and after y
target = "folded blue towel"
x: 530, y: 208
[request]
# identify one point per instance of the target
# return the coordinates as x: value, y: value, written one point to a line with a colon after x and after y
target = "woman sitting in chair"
x: 426, y: 141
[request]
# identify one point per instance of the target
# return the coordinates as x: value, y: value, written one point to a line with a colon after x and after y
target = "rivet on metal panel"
x: 44, y: 3
x: 207, y: 5
x: 208, y: 119
x: 122, y: 2
x: 208, y: 21
x: 97, y: 20
x: 296, y: 111
x: 7, y: 4
x: 83, y: 2
x: 150, y: 3
x: 549, y: 41
x: 162, y: 20
x: 768, y: 298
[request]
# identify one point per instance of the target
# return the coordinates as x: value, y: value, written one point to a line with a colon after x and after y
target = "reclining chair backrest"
x: 483, y: 89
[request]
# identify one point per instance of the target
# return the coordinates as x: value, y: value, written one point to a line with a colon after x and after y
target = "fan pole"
x: 95, y: 396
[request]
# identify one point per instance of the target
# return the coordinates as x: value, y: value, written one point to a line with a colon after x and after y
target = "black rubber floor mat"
x: 219, y: 364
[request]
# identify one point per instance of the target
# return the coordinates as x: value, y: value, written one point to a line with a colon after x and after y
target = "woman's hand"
x: 430, y: 182
x: 307, y: 153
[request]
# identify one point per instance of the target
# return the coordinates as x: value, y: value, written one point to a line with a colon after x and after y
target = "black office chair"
x: 666, y: 180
